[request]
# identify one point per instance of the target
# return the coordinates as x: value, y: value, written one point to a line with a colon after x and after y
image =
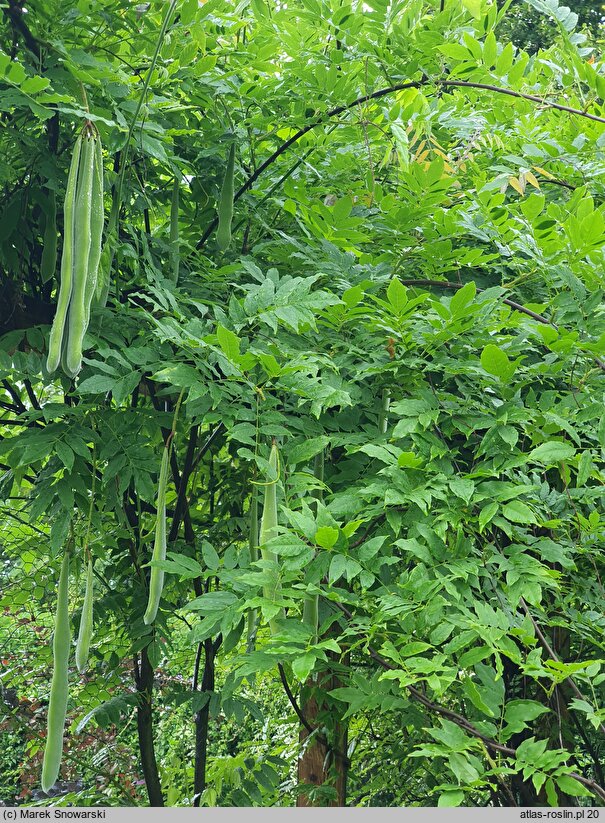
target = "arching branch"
x: 15, y: 14
x: 376, y: 95
x: 299, y: 713
x: 446, y: 284
x: 458, y: 719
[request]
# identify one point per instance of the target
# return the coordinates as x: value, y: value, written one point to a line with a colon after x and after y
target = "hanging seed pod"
x: 86, y: 622
x: 268, y: 529
x: 83, y: 231
x: 311, y: 604
x: 57, y: 706
x: 97, y: 220
x: 253, y: 545
x: 76, y: 326
x: 225, y: 204
x: 102, y: 286
x: 156, y: 580
x: 66, y: 284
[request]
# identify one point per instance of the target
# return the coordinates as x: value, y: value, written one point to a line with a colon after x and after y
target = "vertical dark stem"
x: 201, y: 724
x: 209, y: 647
x: 211, y: 486
x: 252, y: 617
x: 246, y: 238
x: 52, y: 129
x: 143, y: 674
x: 181, y: 506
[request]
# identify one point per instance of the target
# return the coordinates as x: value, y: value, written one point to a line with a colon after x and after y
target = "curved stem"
x: 118, y: 190
x: 459, y: 719
x: 304, y: 722
x: 446, y: 284
x: 376, y: 95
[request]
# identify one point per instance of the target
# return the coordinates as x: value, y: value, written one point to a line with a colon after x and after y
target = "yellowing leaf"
x: 514, y: 183
x: 546, y: 174
x: 531, y: 179
x: 418, y: 149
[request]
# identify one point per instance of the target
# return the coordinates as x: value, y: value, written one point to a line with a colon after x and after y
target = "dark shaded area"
x: 531, y: 30
x: 20, y: 310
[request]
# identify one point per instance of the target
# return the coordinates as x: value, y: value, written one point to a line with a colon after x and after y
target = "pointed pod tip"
x: 274, y: 457
x: 47, y: 782
x: 71, y: 371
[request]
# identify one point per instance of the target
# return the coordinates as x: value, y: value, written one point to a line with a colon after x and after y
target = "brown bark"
x: 319, y: 765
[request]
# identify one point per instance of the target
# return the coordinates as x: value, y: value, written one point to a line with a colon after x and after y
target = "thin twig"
x: 304, y: 721
x: 446, y: 284
x: 30, y: 393
x: 19, y: 404
x: 293, y: 702
x: 458, y: 719
x: 208, y: 442
x: 553, y: 656
x: 181, y: 499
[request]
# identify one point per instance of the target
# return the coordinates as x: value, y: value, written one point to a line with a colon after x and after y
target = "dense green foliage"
x: 410, y: 307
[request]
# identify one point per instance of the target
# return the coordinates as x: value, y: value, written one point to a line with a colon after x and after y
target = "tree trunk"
x: 318, y: 765
x: 143, y: 676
